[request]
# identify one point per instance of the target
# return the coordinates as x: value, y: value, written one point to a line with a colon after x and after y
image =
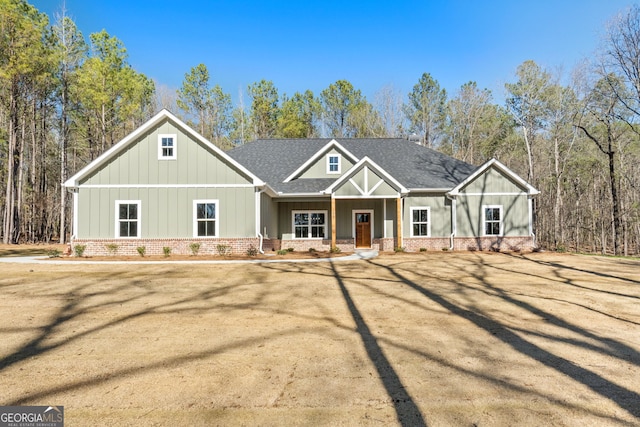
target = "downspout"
x: 74, y: 221
x: 531, y: 233
x: 258, y: 218
x: 454, y: 225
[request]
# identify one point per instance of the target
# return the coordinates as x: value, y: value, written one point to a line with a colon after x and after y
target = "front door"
x: 363, y: 230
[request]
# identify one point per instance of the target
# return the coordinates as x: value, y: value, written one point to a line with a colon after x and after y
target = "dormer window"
x: 166, y: 146
x: 333, y: 163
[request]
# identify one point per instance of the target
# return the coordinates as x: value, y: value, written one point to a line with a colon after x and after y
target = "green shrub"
x: 290, y: 249
x: 282, y: 252
x: 399, y: 249
x: 141, y: 250
x: 561, y: 248
x: 445, y: 249
x: 112, y: 248
x: 423, y: 249
x: 166, y: 250
x: 79, y: 250
x: 335, y: 250
x: 224, y: 250
x: 252, y: 251
x: 195, y: 248
x: 312, y: 250
x: 54, y: 253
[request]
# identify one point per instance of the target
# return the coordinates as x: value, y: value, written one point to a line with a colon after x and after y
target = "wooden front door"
x: 363, y: 230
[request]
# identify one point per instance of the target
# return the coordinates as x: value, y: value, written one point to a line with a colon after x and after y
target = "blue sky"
x: 303, y: 45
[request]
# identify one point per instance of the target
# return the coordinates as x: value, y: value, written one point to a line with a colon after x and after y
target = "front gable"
x: 138, y: 160
x: 317, y: 166
x: 366, y: 180
x: 493, y: 178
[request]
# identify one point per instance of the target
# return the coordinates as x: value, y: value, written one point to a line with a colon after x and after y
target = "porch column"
x: 399, y: 220
x: 333, y: 222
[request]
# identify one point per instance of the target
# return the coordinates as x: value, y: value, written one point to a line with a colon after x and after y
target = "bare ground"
x: 407, y: 339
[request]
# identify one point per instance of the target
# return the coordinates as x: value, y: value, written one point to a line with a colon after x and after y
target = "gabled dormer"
x: 331, y: 161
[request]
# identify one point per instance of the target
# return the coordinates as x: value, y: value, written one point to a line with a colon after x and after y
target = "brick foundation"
x: 98, y: 247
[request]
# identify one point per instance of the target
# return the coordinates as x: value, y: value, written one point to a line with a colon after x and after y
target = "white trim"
x: 174, y: 146
x: 484, y: 220
x: 154, y: 121
x: 167, y: 186
x: 411, y: 222
x: 216, y: 219
x: 117, y: 218
x: 522, y: 193
x: 370, y: 164
x: 384, y: 218
x: 429, y: 190
x: 353, y: 222
x: 331, y: 144
x: 366, y: 197
x: 494, y: 162
x: 530, y: 206
x: 309, y: 211
x: 74, y: 230
x: 360, y: 190
x: 339, y: 157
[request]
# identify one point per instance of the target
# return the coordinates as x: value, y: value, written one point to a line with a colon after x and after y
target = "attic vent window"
x: 166, y: 146
x: 333, y: 163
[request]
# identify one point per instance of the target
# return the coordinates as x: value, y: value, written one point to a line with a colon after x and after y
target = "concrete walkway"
x: 358, y: 255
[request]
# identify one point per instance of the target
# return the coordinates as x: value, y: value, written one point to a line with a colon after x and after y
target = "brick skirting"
x: 99, y: 247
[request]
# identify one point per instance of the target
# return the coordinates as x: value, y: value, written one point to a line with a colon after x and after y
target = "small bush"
x: 252, y: 251
x: 290, y: 249
x: 79, y: 250
x: 166, y: 250
x: 282, y: 252
x: 312, y: 250
x: 195, y: 248
x: 423, y: 249
x: 141, y: 250
x: 399, y: 249
x: 561, y: 248
x: 112, y: 248
x: 335, y: 250
x: 54, y: 253
x: 445, y: 249
x: 224, y: 250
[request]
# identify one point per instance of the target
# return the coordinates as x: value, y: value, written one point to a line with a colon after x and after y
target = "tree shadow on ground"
x: 623, y: 397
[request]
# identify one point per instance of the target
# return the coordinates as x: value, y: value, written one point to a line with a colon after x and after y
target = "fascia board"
x: 366, y: 160
x: 321, y: 152
x: 482, y: 169
x: 163, y: 114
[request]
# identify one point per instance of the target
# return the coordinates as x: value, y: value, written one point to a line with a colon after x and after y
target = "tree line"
x: 65, y: 99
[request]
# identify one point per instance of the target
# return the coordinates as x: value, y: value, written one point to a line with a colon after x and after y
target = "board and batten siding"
x: 166, y: 189
x: 439, y: 211
x: 166, y: 212
x: 492, y: 188
x: 319, y: 168
x: 138, y: 163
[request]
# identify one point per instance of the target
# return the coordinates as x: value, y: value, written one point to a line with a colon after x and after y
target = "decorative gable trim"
x: 366, y: 161
x: 151, y: 123
x: 321, y: 152
x: 530, y: 190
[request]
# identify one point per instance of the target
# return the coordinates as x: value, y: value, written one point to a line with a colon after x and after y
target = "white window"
x: 167, y: 146
x: 420, y: 222
x: 127, y: 218
x: 206, y: 218
x: 309, y: 224
x: 492, y: 220
x: 333, y: 163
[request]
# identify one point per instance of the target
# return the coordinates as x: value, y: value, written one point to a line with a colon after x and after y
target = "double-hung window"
x: 167, y: 146
x: 205, y: 218
x: 127, y: 218
x: 420, y: 222
x: 333, y: 163
x: 492, y: 220
x: 310, y: 224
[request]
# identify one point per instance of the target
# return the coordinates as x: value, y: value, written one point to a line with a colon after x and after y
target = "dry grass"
x: 410, y: 339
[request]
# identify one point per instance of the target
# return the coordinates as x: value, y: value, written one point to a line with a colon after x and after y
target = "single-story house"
x: 164, y: 185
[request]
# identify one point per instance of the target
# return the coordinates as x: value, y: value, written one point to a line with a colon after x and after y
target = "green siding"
x: 138, y: 164
x: 269, y: 217
x: 493, y: 181
x: 318, y: 169
x: 166, y: 212
x: 515, y: 212
x: 440, y: 209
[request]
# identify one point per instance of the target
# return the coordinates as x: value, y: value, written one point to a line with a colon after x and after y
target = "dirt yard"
x: 438, y: 339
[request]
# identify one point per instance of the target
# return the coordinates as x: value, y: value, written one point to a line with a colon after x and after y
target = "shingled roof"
x: 414, y: 166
